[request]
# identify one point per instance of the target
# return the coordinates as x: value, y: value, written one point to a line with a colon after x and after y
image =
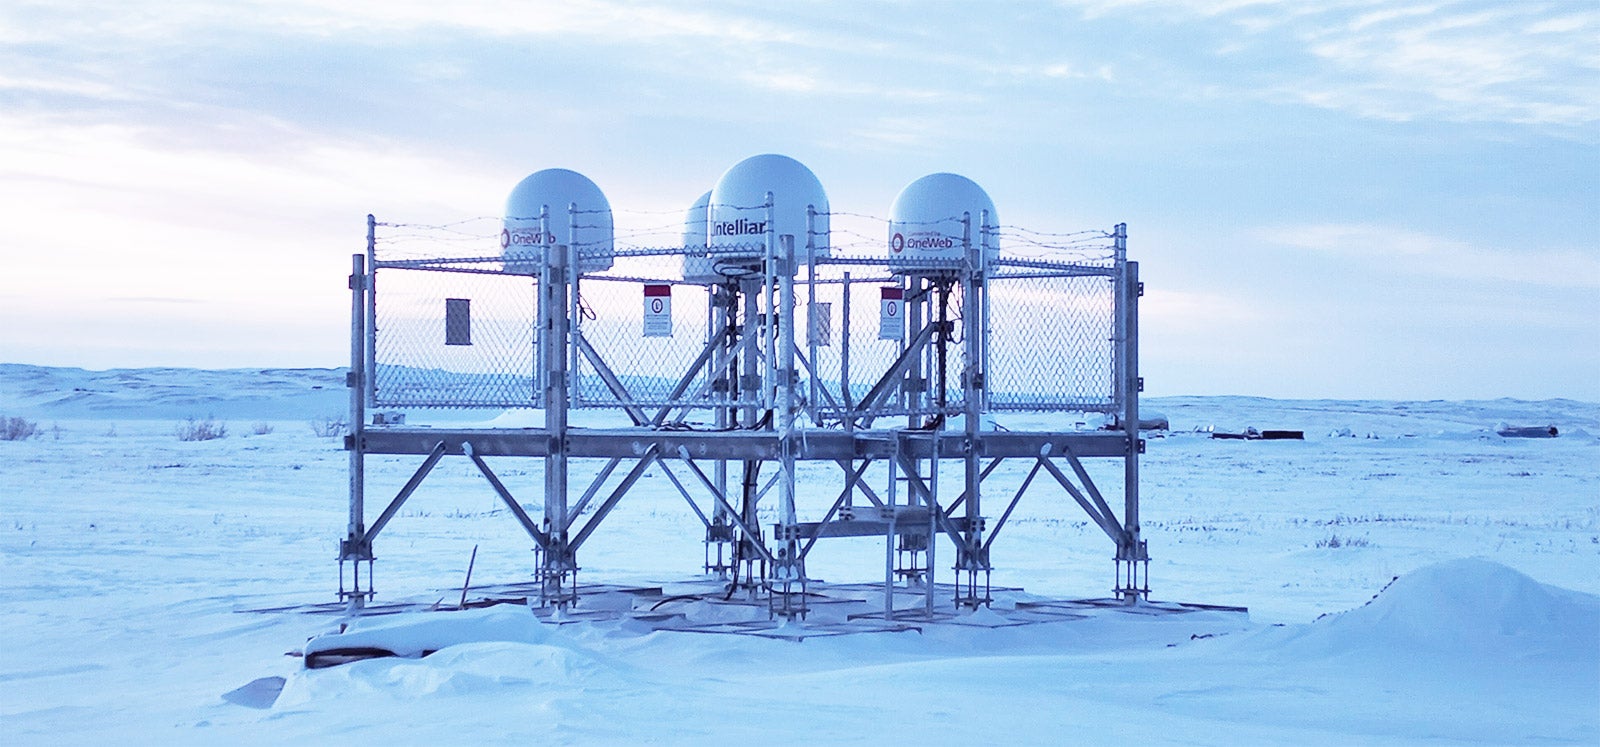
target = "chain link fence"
x: 1052, y: 341
x: 861, y: 353
x: 454, y: 327
x: 619, y: 360
x: 450, y: 326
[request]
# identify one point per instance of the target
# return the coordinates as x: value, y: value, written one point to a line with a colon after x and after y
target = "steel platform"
x: 706, y: 606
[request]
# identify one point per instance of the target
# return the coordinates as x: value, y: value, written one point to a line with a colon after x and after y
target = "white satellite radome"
x: 736, y: 225
x: 925, y: 222
x: 588, y: 232
x: 697, y: 267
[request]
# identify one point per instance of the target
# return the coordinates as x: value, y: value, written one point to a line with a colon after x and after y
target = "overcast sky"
x: 1338, y: 198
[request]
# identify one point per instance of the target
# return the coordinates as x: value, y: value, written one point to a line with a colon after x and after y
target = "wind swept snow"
x: 1431, y: 583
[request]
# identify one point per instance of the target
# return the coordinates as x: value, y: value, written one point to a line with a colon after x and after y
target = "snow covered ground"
x: 125, y: 554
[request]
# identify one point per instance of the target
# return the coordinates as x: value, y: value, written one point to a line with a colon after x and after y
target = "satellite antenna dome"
x: 926, y: 222
x: 556, y: 206
x: 697, y: 266
x: 738, y: 218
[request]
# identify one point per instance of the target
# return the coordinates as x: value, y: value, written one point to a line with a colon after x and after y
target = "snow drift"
x: 419, y: 634
x: 1464, y: 608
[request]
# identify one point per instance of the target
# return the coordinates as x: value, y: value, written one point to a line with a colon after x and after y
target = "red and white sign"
x: 891, y: 313
x: 658, y: 311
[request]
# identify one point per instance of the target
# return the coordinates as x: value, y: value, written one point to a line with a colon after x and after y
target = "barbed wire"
x: 439, y: 226
x: 848, y: 214
x: 1017, y: 240
x: 1093, y: 231
x: 634, y: 211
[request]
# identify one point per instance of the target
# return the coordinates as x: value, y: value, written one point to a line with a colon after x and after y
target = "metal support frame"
x: 356, y: 548
x: 751, y: 374
x: 558, y: 564
x: 972, y: 552
x: 1133, y: 557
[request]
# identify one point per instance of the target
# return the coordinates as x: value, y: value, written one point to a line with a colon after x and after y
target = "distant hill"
x: 42, y: 392
x: 172, y: 393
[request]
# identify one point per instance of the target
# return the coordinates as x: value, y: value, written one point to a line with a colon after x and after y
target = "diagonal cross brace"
x: 1106, y: 521
x: 914, y: 480
x: 505, y: 495
x: 849, y: 485
x: 1088, y: 484
x: 890, y: 379
x: 731, y: 512
x: 683, y: 491
x: 1014, y: 500
x: 611, y: 500
x: 866, y: 489
x: 434, y: 455
x: 594, y: 486
x: 694, y: 370
x: 610, y: 379
x: 984, y: 475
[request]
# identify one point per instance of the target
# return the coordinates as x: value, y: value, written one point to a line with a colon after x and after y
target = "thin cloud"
x: 1425, y: 254
x: 1481, y: 65
x: 158, y: 300
x: 1519, y: 63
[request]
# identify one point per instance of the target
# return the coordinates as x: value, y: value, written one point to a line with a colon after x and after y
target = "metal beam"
x: 609, y: 378
x: 410, y: 487
x: 1023, y: 488
x: 1107, y: 524
x: 510, y: 501
x: 732, y: 514
x: 611, y: 500
x: 357, y: 378
x: 831, y: 445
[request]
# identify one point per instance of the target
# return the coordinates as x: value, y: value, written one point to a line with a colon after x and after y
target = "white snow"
x: 126, y: 553
x: 1471, y: 607
x: 419, y: 633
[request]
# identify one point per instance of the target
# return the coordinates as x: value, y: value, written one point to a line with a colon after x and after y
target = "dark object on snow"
x: 1248, y: 434
x: 335, y: 656
x: 1154, y: 422
x: 1548, y: 431
x: 1251, y: 434
x: 260, y: 693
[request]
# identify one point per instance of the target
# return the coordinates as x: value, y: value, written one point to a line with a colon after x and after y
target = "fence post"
x: 355, y: 547
x: 1131, y: 554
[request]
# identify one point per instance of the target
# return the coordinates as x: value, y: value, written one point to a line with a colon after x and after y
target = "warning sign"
x: 891, y: 316
x: 658, y: 311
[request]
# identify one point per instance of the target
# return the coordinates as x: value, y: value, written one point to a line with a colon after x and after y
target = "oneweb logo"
x: 932, y: 242
x: 899, y: 242
x: 524, y: 237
